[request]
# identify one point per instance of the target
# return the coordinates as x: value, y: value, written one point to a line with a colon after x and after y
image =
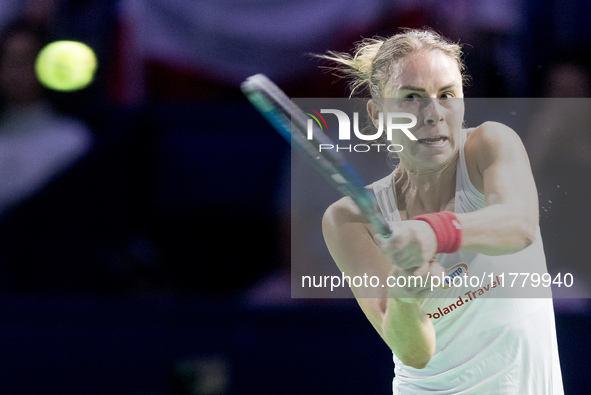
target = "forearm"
x: 408, y: 332
x: 498, y: 229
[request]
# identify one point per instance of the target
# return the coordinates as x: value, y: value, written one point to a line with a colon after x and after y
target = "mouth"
x: 436, y: 141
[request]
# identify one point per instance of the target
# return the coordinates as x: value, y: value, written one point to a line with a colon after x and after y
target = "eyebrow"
x: 417, y: 89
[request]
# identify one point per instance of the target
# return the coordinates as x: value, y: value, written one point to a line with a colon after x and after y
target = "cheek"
x: 457, y: 111
x: 456, y: 125
x: 410, y: 147
x: 400, y: 138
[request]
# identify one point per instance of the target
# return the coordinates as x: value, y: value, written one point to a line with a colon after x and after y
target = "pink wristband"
x: 447, y: 228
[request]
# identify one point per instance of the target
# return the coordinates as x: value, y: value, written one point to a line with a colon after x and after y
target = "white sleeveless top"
x: 486, y: 341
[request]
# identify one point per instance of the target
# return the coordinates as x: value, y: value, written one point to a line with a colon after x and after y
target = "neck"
x: 426, y: 190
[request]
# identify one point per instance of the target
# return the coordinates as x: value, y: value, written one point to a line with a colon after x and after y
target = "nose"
x: 433, y: 113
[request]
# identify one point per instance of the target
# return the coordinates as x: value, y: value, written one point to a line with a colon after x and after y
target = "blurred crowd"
x: 160, y: 177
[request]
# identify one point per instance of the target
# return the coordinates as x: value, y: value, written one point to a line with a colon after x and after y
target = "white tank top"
x: 484, y: 345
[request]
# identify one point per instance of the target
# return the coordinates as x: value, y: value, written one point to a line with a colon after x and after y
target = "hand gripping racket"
x: 291, y: 122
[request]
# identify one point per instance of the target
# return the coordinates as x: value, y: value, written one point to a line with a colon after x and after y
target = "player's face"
x: 428, y: 85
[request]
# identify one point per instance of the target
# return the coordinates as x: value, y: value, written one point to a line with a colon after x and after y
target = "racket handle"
x: 384, y: 239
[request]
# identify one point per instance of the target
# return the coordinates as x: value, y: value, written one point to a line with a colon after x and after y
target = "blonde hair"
x: 374, y: 60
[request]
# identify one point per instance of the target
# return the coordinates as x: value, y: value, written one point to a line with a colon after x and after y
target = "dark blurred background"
x: 145, y: 220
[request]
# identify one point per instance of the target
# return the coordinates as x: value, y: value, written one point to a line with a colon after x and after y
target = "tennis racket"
x: 291, y: 122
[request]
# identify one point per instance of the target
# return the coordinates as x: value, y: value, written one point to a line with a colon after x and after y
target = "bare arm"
x: 508, y: 222
x: 404, y: 326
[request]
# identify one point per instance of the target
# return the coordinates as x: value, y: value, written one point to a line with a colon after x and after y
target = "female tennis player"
x: 460, y: 201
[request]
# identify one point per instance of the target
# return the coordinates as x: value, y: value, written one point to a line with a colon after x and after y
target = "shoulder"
x: 493, y: 146
x: 492, y: 141
x: 490, y: 135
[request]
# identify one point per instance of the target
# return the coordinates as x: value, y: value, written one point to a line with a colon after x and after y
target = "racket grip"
x: 384, y: 239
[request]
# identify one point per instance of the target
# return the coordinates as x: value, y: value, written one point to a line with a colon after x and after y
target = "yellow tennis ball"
x: 66, y: 65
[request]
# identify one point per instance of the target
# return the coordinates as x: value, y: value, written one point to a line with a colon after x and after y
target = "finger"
x: 423, y: 270
x: 435, y: 269
x: 407, y: 259
x: 381, y: 242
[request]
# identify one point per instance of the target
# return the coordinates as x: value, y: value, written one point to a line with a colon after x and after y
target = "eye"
x: 446, y: 95
x: 412, y: 97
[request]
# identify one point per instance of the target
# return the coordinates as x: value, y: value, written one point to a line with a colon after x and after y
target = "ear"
x: 373, y: 110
